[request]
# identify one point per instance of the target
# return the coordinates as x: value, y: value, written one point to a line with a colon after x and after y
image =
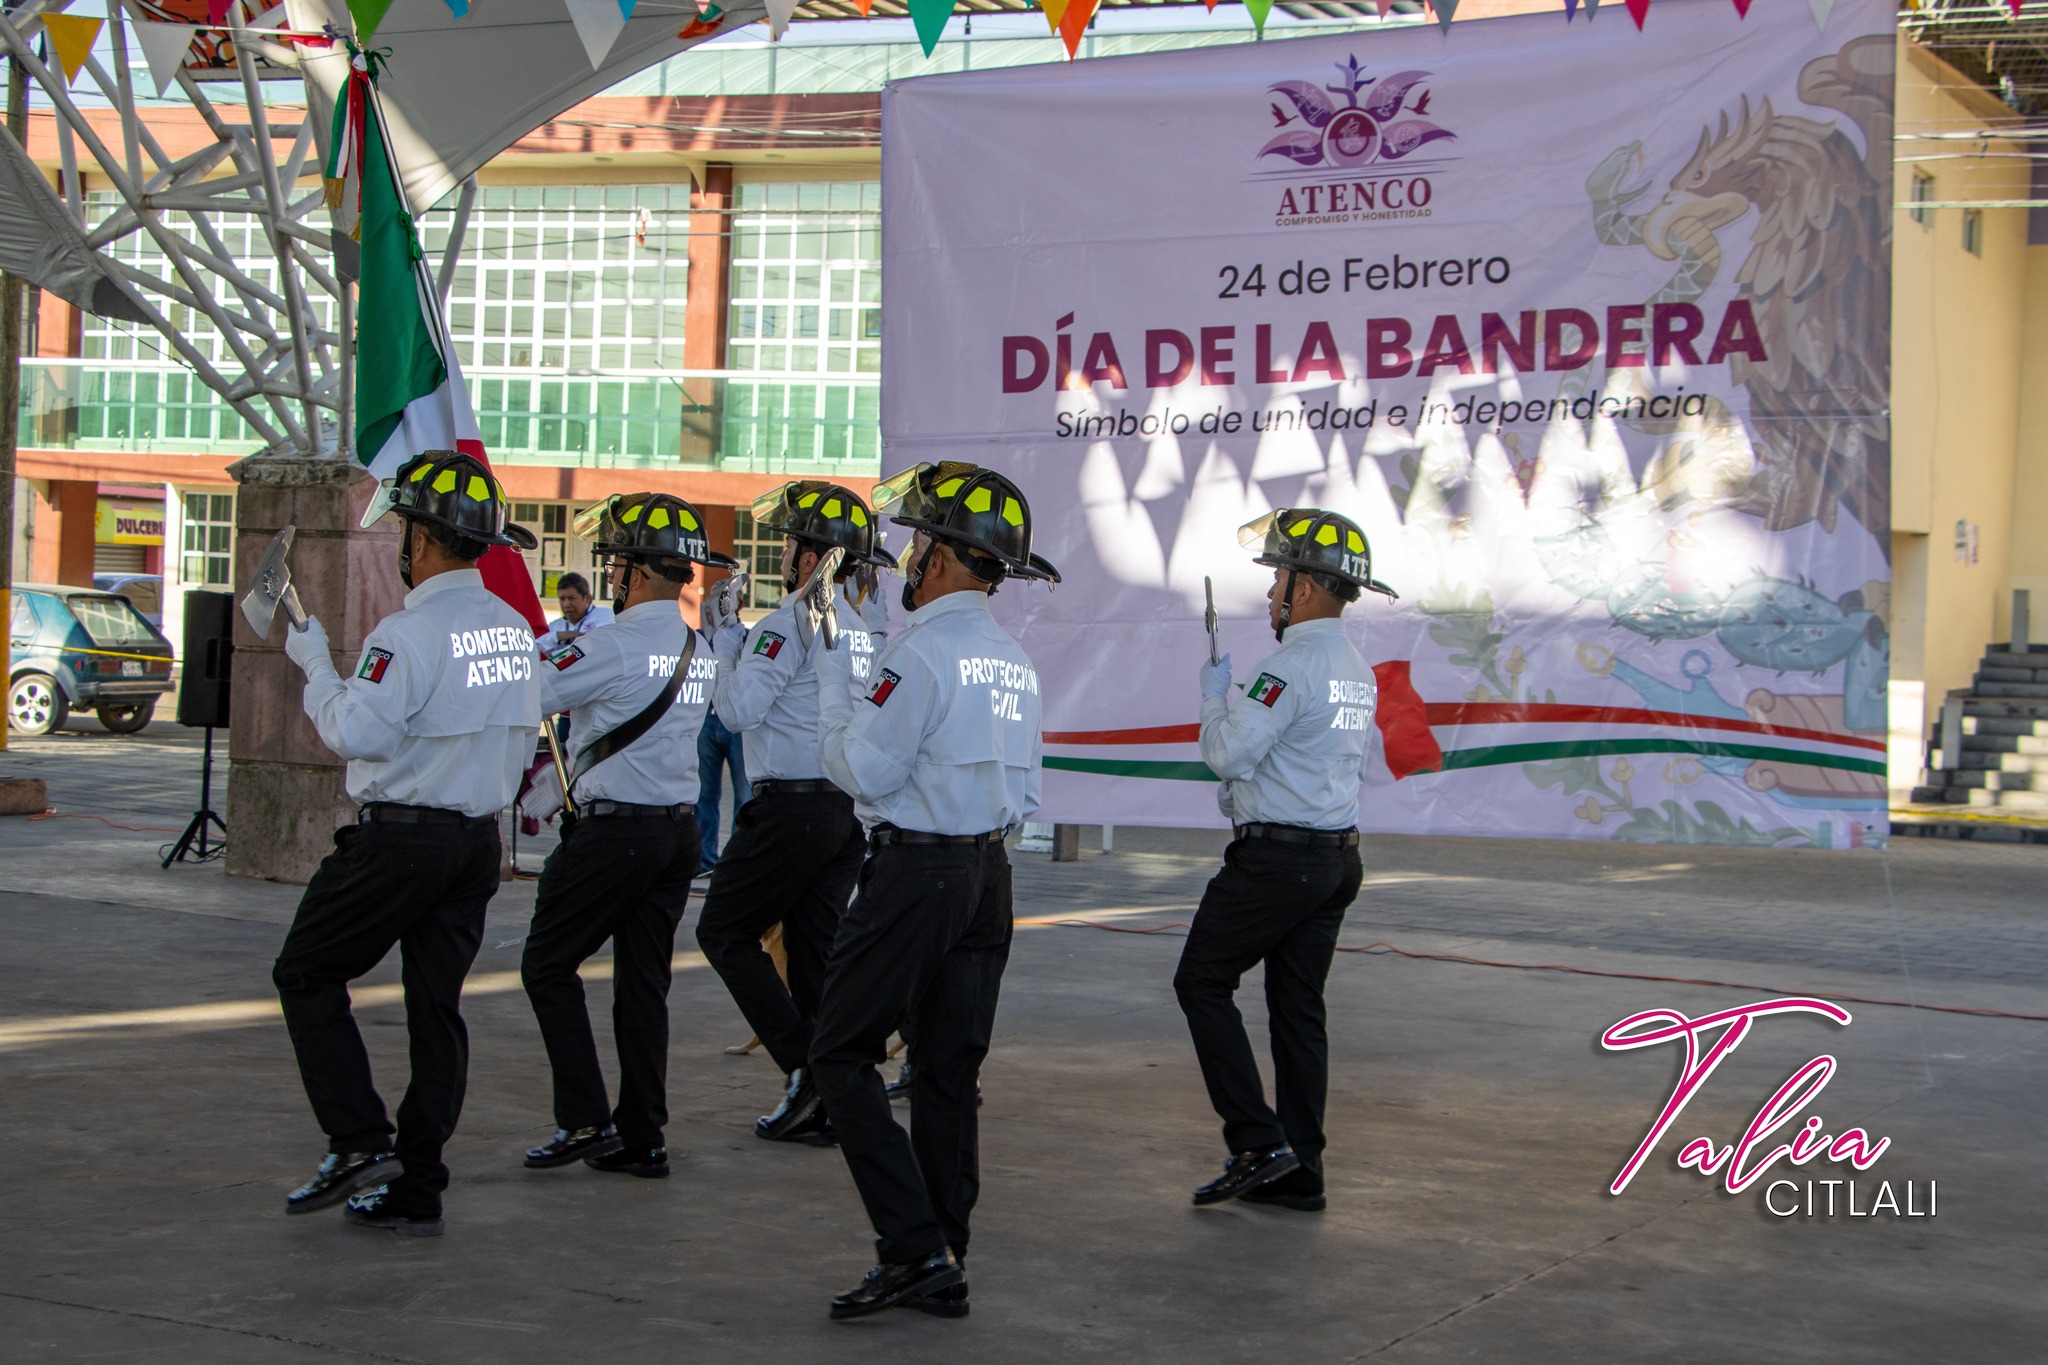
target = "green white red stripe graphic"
x: 1489, y: 734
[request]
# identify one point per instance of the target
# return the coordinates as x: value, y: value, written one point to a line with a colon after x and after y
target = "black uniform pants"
x: 792, y: 860
x: 625, y: 878
x: 424, y: 888
x: 924, y: 943
x: 1281, y: 904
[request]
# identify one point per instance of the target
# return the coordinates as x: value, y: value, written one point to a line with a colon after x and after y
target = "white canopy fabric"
x: 456, y: 92
x: 41, y: 244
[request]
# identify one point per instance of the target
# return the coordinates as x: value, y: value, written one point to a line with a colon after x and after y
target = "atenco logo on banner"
x: 1749, y: 1159
x: 1356, y: 151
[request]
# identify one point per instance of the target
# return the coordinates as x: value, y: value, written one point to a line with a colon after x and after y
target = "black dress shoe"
x: 896, y: 1282
x: 569, y: 1144
x: 1302, y: 1191
x: 648, y: 1163
x: 899, y: 1089
x: 943, y: 1303
x: 375, y: 1209
x: 340, y: 1175
x: 799, y: 1113
x: 1247, y: 1171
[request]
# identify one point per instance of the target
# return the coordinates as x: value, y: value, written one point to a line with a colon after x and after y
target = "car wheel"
x: 35, y: 706
x: 125, y: 718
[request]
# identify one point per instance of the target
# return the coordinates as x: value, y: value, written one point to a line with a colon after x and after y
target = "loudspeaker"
x: 209, y: 645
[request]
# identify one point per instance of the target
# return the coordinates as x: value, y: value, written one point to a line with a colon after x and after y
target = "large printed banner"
x: 1586, y: 326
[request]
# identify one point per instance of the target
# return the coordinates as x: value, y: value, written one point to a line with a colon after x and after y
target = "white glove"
x: 543, y: 798
x: 1216, y: 677
x: 726, y: 641
x: 1226, y: 801
x: 304, y: 645
x: 722, y: 608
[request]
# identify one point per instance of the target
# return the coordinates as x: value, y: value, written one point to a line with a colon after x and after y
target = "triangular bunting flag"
x: 1592, y: 8
x: 458, y: 8
x: 1571, y: 7
x: 164, y: 47
x: 1258, y: 9
x: 1074, y: 23
x: 1385, y: 6
x: 864, y: 6
x: 1821, y: 9
x: 1055, y: 10
x: 598, y: 24
x: 1212, y: 4
x: 626, y: 8
x: 217, y: 11
x: 71, y: 38
x: 367, y: 14
x: 1446, y: 10
x: 1638, y: 10
x: 930, y: 16
x: 708, y: 21
x: 1742, y: 7
x: 779, y: 12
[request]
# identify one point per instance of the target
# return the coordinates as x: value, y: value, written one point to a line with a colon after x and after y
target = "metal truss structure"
x: 285, y: 374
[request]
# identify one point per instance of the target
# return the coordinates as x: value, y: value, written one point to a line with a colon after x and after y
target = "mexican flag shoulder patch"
x: 1265, y: 690
x: 768, y: 644
x: 884, y: 686
x: 566, y: 655
x: 374, y: 663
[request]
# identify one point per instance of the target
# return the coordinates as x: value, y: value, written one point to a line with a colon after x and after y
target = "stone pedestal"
x: 285, y: 792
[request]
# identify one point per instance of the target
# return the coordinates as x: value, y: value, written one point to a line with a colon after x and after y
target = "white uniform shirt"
x: 768, y: 692
x: 946, y: 738
x: 605, y: 679
x: 443, y: 705
x: 1292, y: 751
x: 594, y: 617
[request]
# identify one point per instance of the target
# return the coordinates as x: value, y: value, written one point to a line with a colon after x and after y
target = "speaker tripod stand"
x: 193, y: 842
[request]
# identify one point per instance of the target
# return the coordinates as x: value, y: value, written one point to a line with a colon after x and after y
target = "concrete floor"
x: 152, y: 1121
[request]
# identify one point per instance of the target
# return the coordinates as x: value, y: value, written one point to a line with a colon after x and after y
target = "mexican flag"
x: 409, y: 393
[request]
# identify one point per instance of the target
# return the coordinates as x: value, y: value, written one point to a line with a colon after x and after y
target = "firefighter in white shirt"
x: 1291, y: 753
x: 636, y: 693
x: 796, y: 847
x: 436, y: 723
x: 940, y: 752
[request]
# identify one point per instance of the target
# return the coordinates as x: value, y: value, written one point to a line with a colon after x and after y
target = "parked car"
x: 144, y: 591
x: 74, y: 647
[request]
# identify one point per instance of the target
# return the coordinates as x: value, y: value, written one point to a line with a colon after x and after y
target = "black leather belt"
x: 882, y: 836
x: 783, y: 786
x: 599, y: 810
x: 1298, y: 834
x: 397, y: 813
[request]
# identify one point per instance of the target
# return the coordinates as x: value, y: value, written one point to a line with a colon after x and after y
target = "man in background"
x: 580, y: 613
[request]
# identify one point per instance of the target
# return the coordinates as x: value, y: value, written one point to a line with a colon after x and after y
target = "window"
x: 807, y: 278
x: 1923, y: 199
x: 760, y: 554
x: 209, y: 545
x: 1973, y: 231
x: 575, y: 278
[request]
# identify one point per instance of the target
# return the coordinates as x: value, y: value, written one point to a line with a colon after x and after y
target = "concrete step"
x: 2000, y: 656
x: 1988, y: 674
x: 2004, y: 708
x: 2004, y: 727
x: 2013, y: 689
x: 2005, y: 744
x: 1939, y: 824
x: 2009, y: 764
x: 1956, y: 793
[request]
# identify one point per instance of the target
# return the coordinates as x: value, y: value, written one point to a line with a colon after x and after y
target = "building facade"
x: 677, y: 286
